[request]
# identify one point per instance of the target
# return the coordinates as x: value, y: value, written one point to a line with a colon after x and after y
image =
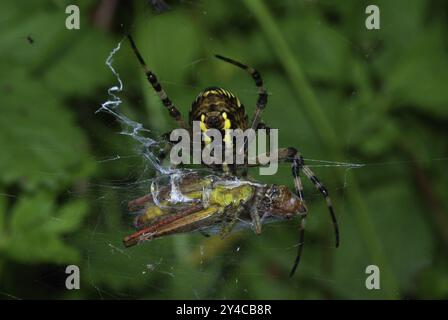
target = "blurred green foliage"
x: 338, y: 92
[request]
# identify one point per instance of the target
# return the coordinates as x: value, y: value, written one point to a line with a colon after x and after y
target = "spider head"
x: 215, y: 120
x: 281, y: 202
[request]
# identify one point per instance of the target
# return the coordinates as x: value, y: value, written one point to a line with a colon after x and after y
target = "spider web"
x: 243, y: 265
x: 159, y: 262
x: 200, y: 267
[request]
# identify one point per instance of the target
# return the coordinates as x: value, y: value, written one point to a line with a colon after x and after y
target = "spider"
x: 217, y: 108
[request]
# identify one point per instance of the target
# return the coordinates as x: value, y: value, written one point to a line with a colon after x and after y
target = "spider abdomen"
x: 214, y: 105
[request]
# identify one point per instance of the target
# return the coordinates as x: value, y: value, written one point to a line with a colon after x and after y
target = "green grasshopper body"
x: 207, y: 204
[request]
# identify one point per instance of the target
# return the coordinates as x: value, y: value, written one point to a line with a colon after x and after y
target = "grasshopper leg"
x: 255, y: 220
x: 234, y: 214
x: 205, y: 234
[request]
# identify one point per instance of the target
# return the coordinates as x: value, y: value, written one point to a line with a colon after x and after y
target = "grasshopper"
x: 210, y: 203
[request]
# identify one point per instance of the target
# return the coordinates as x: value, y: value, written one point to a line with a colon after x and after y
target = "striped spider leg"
x: 298, y: 166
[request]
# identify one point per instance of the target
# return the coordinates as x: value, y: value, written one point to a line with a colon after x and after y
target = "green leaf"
x: 35, y: 232
x: 170, y: 61
x: 419, y: 79
x: 41, y: 144
x: 82, y: 69
x: 405, y: 235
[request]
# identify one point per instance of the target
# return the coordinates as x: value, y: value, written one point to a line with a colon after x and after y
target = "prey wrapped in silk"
x: 209, y: 204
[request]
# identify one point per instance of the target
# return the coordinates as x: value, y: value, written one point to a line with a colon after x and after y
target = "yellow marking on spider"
x: 203, y: 126
x: 228, y: 139
x: 227, y: 122
x: 202, y: 123
x: 209, y: 92
x: 238, y: 103
x: 204, y: 129
x: 207, y: 139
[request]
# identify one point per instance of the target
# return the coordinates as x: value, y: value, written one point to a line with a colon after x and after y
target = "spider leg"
x: 262, y: 93
x: 292, y: 155
x: 243, y: 168
x: 321, y: 188
x: 168, y: 145
x: 174, y: 113
x: 261, y: 101
x: 297, y: 158
x: 262, y: 125
x: 298, y: 164
x: 295, y: 168
x: 300, y: 247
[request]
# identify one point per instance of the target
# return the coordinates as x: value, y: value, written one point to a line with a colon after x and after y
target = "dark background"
x: 338, y: 92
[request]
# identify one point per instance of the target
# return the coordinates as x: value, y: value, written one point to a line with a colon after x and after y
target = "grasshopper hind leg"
x: 234, y: 214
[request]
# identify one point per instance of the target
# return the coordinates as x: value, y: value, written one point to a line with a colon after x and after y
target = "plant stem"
x: 327, y: 135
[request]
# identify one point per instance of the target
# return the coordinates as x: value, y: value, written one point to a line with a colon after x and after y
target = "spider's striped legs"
x: 243, y: 172
x: 298, y: 165
x: 174, y: 113
x: 262, y: 94
x: 261, y: 102
x: 321, y: 188
x: 300, y: 248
